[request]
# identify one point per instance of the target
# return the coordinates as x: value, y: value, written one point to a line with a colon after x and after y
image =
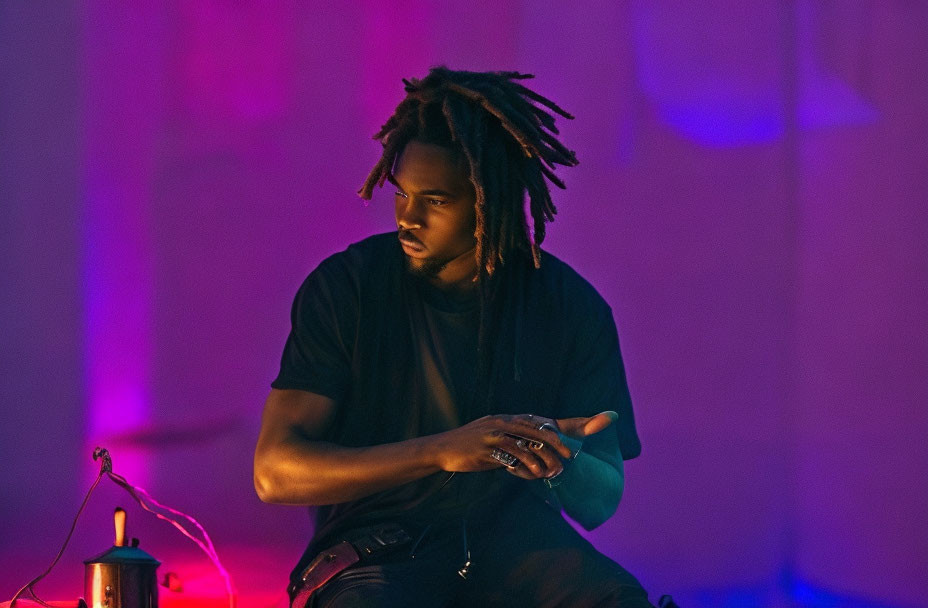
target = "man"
x: 439, y: 381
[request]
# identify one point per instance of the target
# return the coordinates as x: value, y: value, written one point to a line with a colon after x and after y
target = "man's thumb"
x: 584, y: 427
x: 599, y: 422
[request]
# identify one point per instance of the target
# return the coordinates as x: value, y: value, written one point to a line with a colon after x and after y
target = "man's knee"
x: 617, y: 587
x: 399, y: 584
x: 364, y: 587
x: 620, y: 595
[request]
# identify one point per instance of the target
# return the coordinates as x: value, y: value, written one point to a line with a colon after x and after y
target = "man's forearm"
x: 293, y: 468
x: 303, y: 472
x: 591, y: 489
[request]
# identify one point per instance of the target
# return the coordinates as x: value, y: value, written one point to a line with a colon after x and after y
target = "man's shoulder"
x: 356, y: 257
x: 557, y: 278
x: 376, y: 244
x: 348, y: 270
x: 371, y: 247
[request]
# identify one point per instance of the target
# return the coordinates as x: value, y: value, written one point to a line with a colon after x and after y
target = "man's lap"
x: 525, y: 554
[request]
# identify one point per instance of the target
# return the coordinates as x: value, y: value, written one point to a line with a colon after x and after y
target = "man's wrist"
x: 572, y: 444
x: 555, y: 481
x: 430, y: 452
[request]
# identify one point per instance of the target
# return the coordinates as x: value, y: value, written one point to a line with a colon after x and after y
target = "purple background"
x: 752, y: 200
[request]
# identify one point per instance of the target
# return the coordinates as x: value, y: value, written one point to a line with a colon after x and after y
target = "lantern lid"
x: 123, y: 555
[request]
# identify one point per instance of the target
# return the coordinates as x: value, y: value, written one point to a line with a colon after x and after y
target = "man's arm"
x: 294, y: 466
x: 594, y: 380
x: 590, y: 488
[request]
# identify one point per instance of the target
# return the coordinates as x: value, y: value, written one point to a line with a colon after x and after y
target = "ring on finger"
x: 526, y: 442
x: 505, y: 458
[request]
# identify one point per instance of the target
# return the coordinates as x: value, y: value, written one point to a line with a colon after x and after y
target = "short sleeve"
x: 317, y: 354
x: 595, y: 379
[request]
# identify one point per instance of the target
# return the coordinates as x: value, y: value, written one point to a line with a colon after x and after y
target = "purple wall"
x: 752, y: 199
x: 42, y: 399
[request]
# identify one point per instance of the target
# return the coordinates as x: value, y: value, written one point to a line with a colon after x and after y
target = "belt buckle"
x: 391, y: 536
x: 382, y: 538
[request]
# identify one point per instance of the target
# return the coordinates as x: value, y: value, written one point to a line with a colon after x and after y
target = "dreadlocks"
x: 507, y: 136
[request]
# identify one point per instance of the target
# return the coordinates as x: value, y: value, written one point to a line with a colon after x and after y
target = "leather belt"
x: 359, y: 546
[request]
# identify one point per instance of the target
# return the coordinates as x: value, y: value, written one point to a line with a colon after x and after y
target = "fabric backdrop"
x: 752, y: 200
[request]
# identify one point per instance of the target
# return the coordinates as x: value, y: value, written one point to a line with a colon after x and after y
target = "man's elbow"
x: 265, y: 487
x: 277, y: 483
x: 270, y: 481
x: 600, y: 503
x: 600, y: 509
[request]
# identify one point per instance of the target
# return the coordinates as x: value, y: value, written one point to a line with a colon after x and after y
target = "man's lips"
x: 411, y: 241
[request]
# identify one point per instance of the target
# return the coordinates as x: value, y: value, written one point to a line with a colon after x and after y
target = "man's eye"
x: 437, y: 202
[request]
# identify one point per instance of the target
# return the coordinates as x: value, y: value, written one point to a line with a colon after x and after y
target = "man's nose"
x: 409, y: 214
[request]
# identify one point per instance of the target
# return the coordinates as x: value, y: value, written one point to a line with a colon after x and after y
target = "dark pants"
x: 526, y: 555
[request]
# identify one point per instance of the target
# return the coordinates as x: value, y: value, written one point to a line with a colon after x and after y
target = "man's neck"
x: 459, y: 275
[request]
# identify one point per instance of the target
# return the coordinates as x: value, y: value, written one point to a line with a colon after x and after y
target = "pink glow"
x: 236, y: 61
x: 121, y: 98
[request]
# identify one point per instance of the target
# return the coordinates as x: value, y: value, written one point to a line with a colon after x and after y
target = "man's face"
x: 434, y: 209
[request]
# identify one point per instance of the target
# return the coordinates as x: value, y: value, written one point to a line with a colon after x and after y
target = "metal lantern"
x: 122, y: 576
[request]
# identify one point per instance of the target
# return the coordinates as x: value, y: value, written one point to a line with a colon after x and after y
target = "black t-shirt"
x: 399, y: 358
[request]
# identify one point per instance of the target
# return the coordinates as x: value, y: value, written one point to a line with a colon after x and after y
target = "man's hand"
x: 470, y: 447
x: 576, y: 428
x: 539, y: 452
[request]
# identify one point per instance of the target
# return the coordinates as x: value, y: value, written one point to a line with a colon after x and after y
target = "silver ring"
x: 504, y: 457
x: 521, y: 443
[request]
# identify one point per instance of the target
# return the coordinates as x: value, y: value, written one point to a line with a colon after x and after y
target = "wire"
x: 206, y: 544
x: 28, y: 586
x: 143, y: 498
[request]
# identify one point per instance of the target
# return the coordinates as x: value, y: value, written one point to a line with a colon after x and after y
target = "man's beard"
x: 425, y: 268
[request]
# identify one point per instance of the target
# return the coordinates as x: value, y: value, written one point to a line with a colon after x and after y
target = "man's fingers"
x: 520, y: 471
x: 528, y: 428
x: 584, y: 427
x: 538, y: 463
